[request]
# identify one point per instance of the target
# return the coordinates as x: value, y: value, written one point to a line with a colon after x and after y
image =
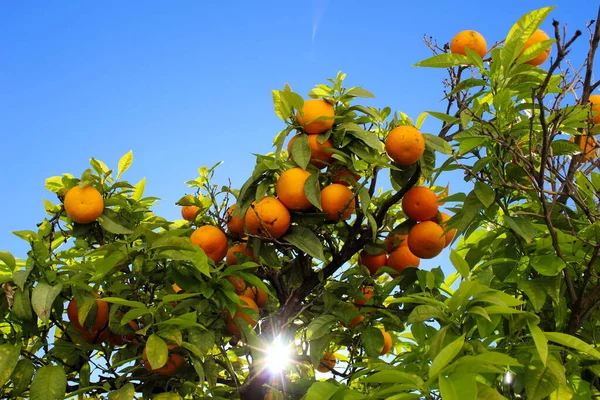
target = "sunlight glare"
x: 278, y: 356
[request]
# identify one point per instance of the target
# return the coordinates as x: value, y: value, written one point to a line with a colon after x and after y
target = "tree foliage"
x: 518, y: 319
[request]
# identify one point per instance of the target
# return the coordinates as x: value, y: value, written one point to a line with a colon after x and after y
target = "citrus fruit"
x: 402, y: 258
x: 420, y: 203
x: 536, y: 37
x: 83, y: 205
x: 405, y: 145
x: 372, y: 262
x: 468, y: 39
x: 426, y: 239
x: 212, y: 240
x: 268, y: 217
x: 174, y: 362
x: 312, y: 110
x: 189, y: 212
x: 290, y: 189
x: 327, y: 362
x: 319, y: 155
x: 337, y: 201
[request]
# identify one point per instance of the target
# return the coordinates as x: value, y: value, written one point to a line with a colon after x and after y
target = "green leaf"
x: 372, y: 341
x: 491, y: 358
x: 113, y: 223
x: 22, y: 305
x: 446, y: 356
x: 541, y: 343
x: 321, y: 391
x: 42, y: 298
x: 49, y: 383
x: 561, y: 147
x: 423, y: 313
x: 359, y: 92
x: 301, y: 151
x: 535, y: 291
x: 477, y: 310
x: 446, y: 60
x: 444, y: 117
x: 123, y: 302
x: 572, y: 342
x: 395, y: 376
x: 312, y: 192
x: 9, y: 356
x: 124, y: 163
x: 548, y: 265
x: 521, y: 227
x: 305, y: 240
x: 156, y: 351
x: 282, y: 109
x: 21, y: 376
x: 459, y: 263
x: 458, y: 386
x: 138, y: 190
x: 437, y: 143
x: 204, y: 340
x: 134, y: 313
x: 167, y: 396
x: 8, y: 259
x: 484, y: 392
x: 367, y: 137
x: 320, y: 326
x: 125, y: 393
x: 485, y: 194
x: 542, y: 380
x: 468, y: 144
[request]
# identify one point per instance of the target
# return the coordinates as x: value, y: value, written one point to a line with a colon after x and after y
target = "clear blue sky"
x: 188, y: 83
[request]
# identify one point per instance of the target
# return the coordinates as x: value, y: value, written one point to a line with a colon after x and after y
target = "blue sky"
x: 185, y: 84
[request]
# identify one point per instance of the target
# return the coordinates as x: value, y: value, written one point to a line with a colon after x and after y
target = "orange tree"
x: 311, y: 267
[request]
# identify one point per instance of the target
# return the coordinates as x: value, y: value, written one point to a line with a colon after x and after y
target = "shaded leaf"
x: 42, y: 297
x: 305, y: 240
x: 49, y: 383
x: 446, y: 356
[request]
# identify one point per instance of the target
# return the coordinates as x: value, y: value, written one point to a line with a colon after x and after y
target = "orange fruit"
x: 231, y: 259
x: 212, y: 240
x: 235, y: 225
x: 238, y: 283
x: 367, y: 292
x: 355, y: 321
x: 468, y: 39
x: 260, y: 297
x: 93, y: 337
x: 372, y: 262
x: 536, y: 37
x: 393, y: 241
x: 101, y: 315
x: 405, y: 145
x: 595, y: 102
x: 268, y: 217
x: 387, y: 342
x: 319, y: 155
x: 344, y: 176
x: 290, y: 189
x: 247, y: 302
x: 588, y: 145
x: 426, y: 239
x: 337, y: 201
x: 313, y: 109
x: 176, y: 288
x: 440, y: 218
x: 174, y: 362
x: 84, y: 205
x: 402, y: 258
x: 327, y: 362
x: 119, y: 340
x: 189, y: 212
x: 420, y: 204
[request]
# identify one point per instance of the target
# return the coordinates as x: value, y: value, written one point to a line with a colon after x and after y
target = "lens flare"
x: 278, y: 356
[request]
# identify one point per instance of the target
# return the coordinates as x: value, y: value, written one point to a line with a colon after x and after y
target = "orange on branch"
x: 387, y: 342
x: 189, y: 212
x: 393, y: 241
x: 238, y: 283
x: 402, y: 258
x: 232, y: 322
x: 426, y: 239
x: 468, y: 39
x: 260, y: 297
x: 268, y: 217
x: 420, y: 204
x: 231, y: 258
x: 212, y: 240
x: 319, y: 155
x: 84, y: 205
x: 537, y: 37
x: 405, y: 145
x: 327, y: 362
x: 337, y: 201
x: 174, y: 362
x: 372, y: 262
x: 344, y: 176
x: 290, y: 189
x: 441, y: 218
x: 313, y: 109
x: 594, y: 100
x: 176, y: 288
x: 101, y: 315
x: 235, y: 224
x: 367, y: 292
x: 588, y: 145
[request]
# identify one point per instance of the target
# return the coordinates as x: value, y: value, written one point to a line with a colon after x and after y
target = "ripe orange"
x: 337, y: 201
x: 372, y: 262
x: 268, y: 217
x: 536, y: 37
x: 84, y: 205
x: 393, y: 241
x: 313, y: 109
x: 189, y: 212
x: 231, y: 259
x: 93, y: 337
x: 290, y: 189
x: 367, y: 292
x: 212, y: 240
x: 344, y: 176
x: 327, y: 362
x: 405, y: 145
x: 402, y: 258
x: 260, y: 297
x: 468, y: 39
x: 440, y: 219
x: 319, y: 155
x: 420, y: 204
x: 355, y: 321
x: 101, y: 315
x: 247, y: 302
x: 588, y: 145
x: 387, y: 342
x: 595, y: 102
x: 174, y: 362
x: 426, y: 239
x: 176, y: 288
x: 235, y: 225
x: 238, y: 283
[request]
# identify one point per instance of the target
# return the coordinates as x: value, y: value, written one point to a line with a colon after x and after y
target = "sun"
x: 278, y: 356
